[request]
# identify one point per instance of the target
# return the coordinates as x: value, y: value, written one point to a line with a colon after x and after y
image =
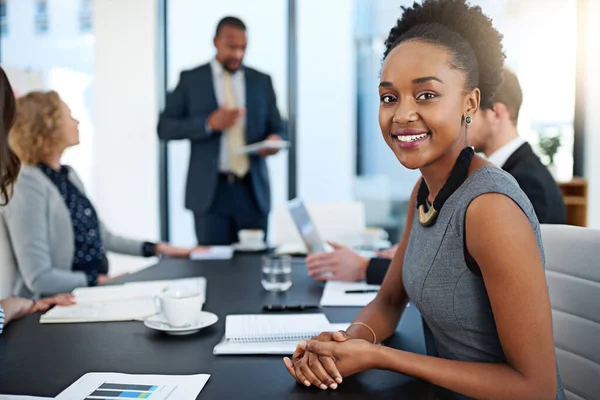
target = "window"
x: 3, y: 21
x: 41, y: 16
x: 382, y: 183
x: 85, y: 16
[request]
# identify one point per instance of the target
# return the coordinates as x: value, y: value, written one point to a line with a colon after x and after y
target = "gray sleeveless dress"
x: 452, y: 299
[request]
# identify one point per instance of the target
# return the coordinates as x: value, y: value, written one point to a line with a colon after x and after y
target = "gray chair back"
x: 573, y: 275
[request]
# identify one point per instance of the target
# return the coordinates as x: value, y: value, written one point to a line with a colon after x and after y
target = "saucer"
x: 158, y: 322
x: 258, y: 247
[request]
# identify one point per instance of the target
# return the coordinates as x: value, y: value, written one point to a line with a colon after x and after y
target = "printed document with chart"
x: 113, y: 386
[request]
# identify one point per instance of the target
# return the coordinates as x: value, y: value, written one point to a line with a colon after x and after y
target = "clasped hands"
x: 329, y: 357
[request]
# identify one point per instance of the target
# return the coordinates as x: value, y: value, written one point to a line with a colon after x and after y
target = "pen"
x: 359, y: 291
x: 283, y: 307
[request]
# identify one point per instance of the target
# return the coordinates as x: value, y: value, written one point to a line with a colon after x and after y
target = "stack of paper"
x: 128, y: 302
x: 265, y: 145
x: 213, y: 253
x: 123, y: 386
x: 349, y: 294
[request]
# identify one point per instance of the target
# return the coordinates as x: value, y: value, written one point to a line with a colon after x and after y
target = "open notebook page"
x: 261, y: 327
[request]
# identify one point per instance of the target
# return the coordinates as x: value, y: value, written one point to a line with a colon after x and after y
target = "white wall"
x: 592, y: 123
x: 125, y: 158
x: 326, y: 132
x: 191, y: 28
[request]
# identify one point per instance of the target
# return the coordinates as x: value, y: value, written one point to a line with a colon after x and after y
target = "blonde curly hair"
x: 37, y: 135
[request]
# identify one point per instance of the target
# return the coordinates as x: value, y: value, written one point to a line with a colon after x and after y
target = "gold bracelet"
x: 366, y: 326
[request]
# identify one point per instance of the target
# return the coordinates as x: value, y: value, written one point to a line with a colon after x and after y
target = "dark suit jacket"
x: 377, y: 269
x: 185, y: 117
x: 540, y: 187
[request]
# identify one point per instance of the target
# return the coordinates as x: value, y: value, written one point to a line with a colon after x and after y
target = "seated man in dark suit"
x: 493, y: 132
x: 220, y: 107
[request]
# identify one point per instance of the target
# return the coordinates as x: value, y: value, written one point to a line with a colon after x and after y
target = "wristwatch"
x: 149, y: 249
x: 92, y: 278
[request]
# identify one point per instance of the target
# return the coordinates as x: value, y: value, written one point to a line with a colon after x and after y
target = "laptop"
x: 306, y: 228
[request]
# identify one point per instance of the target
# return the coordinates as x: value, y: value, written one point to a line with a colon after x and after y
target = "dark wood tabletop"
x: 43, y: 360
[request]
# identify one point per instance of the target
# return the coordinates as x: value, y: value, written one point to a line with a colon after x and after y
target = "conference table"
x: 44, y: 359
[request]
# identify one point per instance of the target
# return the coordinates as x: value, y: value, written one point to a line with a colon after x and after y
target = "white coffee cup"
x: 180, y: 307
x: 372, y: 236
x: 251, y: 237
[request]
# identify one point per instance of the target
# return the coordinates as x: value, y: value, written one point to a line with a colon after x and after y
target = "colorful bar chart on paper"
x: 110, y: 391
x: 125, y: 386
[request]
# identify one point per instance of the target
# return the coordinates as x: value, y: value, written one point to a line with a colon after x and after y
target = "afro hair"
x: 465, y: 31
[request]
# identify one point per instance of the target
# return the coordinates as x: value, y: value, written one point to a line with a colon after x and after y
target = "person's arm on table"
x: 64, y: 299
x: 342, y: 264
x: 13, y: 308
x: 381, y: 315
x: 512, y: 269
x: 388, y: 253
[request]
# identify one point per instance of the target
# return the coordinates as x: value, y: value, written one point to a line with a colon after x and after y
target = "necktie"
x: 235, y: 135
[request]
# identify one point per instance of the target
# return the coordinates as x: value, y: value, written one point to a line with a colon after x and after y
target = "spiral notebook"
x: 269, y: 334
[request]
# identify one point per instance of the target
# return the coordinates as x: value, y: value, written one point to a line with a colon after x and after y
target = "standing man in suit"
x: 494, y: 132
x: 220, y: 107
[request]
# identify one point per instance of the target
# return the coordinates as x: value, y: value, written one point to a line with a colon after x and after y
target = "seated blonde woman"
x: 15, y: 307
x: 59, y: 241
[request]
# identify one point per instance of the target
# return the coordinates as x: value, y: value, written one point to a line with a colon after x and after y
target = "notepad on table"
x: 269, y: 334
x: 213, y: 253
x: 336, y: 294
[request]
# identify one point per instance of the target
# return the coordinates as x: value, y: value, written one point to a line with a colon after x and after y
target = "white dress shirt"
x: 238, y: 82
x: 500, y: 156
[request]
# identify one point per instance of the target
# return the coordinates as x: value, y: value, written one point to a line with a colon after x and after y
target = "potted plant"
x: 549, y: 145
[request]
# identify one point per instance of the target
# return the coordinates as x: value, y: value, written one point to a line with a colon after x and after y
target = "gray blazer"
x: 41, y: 233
